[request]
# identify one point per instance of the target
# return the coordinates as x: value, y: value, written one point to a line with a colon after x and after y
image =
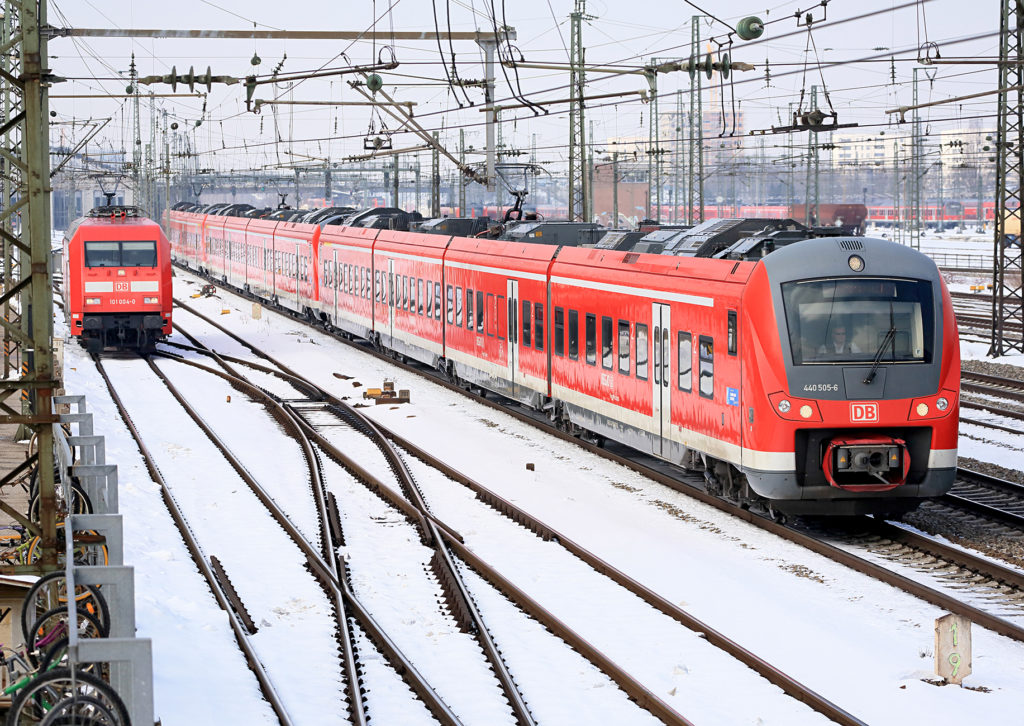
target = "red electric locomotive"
x: 819, y: 377
x: 117, y: 279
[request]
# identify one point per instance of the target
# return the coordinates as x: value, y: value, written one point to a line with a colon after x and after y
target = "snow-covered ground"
x: 861, y: 644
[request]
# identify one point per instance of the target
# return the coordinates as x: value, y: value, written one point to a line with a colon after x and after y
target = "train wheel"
x: 775, y: 514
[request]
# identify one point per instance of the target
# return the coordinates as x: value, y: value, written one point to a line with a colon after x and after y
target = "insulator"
x: 374, y: 83
x: 749, y: 28
x: 725, y: 65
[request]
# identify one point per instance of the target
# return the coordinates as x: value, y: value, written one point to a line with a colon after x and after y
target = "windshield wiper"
x: 889, y: 336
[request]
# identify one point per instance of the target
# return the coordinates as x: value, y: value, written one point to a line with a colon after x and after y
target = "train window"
x: 706, y: 371
x: 538, y: 326
x: 559, y: 331
x: 512, y: 319
x: 685, y: 357
x: 731, y: 340
x: 437, y: 300
x: 138, y: 254
x: 607, y: 343
x: 641, y: 351
x: 492, y: 314
x: 591, y: 338
x: 450, y: 314
x: 624, y: 347
x: 574, y: 335
x: 430, y: 301
x: 391, y: 290
x: 419, y: 296
x: 479, y: 311
x: 458, y: 306
x: 859, y: 320
x: 405, y: 292
x: 469, y: 309
x: 526, y: 322
x: 366, y: 282
x: 120, y: 254
x: 499, y: 319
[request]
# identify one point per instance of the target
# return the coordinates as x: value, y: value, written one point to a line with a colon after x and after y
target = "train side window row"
x: 569, y: 345
x: 416, y: 295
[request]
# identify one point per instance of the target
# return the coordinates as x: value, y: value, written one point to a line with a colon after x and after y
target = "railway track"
x: 213, y: 575
x: 982, y: 389
x: 328, y: 413
x: 988, y: 496
x: 321, y: 560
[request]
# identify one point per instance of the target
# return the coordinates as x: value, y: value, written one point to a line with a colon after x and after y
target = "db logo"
x: 863, y: 412
x: 120, y: 287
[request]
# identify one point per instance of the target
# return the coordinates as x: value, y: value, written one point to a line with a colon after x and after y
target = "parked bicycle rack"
x: 130, y: 658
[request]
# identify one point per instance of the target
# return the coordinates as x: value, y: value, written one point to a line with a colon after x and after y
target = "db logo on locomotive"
x: 120, y: 287
x: 863, y: 412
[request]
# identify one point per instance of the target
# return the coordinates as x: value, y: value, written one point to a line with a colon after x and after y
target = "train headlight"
x: 806, y: 411
x: 922, y: 409
x: 856, y: 263
x: 150, y: 300
x: 92, y: 301
x: 942, y: 404
x: 784, y: 406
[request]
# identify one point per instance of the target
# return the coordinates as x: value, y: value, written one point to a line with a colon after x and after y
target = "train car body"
x: 500, y: 290
x: 117, y: 280
x: 644, y: 358
x: 346, y: 279
x: 822, y: 378
x: 408, y: 274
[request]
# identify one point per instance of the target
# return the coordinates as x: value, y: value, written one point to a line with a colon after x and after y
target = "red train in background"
x: 950, y: 213
x: 117, y: 279
x: 821, y: 378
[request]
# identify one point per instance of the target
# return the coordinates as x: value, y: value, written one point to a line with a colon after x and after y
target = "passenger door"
x: 391, y: 298
x: 662, y: 392
x: 512, y: 299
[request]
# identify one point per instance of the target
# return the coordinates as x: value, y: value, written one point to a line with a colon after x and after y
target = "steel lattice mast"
x: 1007, y: 303
x: 25, y: 225
x: 579, y: 201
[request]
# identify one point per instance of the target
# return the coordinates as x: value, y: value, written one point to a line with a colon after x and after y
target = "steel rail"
x: 196, y: 552
x: 327, y: 571
x: 999, y: 486
x: 465, y: 610
x: 789, y: 685
x: 416, y: 508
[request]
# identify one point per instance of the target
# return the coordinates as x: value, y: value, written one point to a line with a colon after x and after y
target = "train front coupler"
x: 874, y: 463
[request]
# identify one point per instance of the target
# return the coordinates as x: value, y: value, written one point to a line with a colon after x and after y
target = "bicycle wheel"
x: 80, y: 503
x: 53, y: 625
x: 54, y: 656
x: 50, y: 591
x: 85, y: 554
x: 81, y: 711
x: 46, y: 693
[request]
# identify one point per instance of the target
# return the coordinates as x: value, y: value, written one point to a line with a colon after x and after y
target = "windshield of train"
x: 140, y: 253
x: 854, y: 320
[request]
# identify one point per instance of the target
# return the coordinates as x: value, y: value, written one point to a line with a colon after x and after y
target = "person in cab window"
x: 839, y: 346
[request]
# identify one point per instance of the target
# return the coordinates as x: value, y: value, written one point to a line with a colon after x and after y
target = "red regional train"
x: 822, y: 378
x: 117, y: 279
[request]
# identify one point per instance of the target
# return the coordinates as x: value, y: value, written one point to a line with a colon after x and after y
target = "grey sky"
x: 620, y: 33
